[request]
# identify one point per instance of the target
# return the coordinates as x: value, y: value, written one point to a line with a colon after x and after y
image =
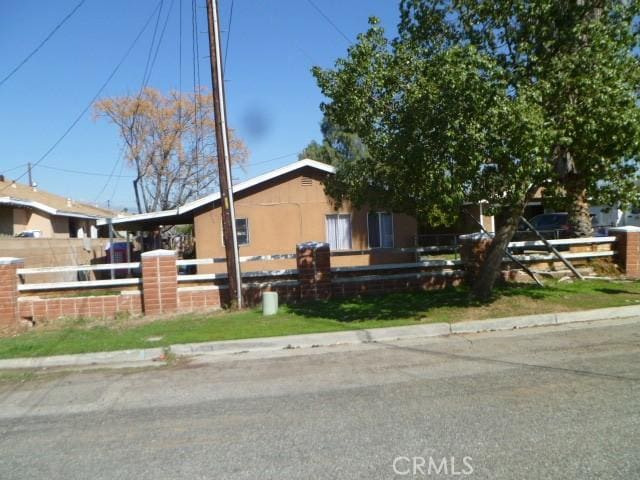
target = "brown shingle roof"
x: 20, y: 191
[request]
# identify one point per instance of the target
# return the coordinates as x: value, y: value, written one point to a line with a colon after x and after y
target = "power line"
x: 267, y: 161
x: 150, y: 52
x: 95, y: 97
x: 147, y: 74
x: 349, y: 41
x: 195, y: 50
x: 104, y: 187
x: 46, y: 39
x: 14, y: 168
x: 180, y: 61
x: 226, y: 48
x: 83, y: 172
x: 164, y: 28
x: 115, y: 186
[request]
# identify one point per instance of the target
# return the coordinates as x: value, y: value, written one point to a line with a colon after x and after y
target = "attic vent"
x: 306, y: 182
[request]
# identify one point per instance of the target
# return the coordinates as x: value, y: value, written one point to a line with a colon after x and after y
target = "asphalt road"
x: 543, y: 403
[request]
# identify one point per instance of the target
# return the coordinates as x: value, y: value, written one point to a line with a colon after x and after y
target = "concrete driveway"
x: 543, y: 403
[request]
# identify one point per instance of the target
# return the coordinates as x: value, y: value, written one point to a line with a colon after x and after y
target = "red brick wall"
x: 8, y: 291
x: 102, y: 306
x: 192, y: 299
x: 159, y: 282
x: 315, y: 280
x: 314, y: 270
x: 401, y: 282
x: 628, y: 250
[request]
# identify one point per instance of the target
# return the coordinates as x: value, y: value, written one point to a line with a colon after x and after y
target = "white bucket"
x: 269, y: 303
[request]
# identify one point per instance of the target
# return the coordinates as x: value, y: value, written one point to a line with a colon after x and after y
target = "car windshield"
x: 550, y: 221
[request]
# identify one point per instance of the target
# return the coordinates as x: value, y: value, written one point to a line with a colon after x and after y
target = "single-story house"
x: 279, y: 209
x: 27, y: 211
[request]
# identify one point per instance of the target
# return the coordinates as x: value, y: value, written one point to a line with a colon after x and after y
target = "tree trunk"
x: 491, y: 267
x: 578, y: 207
x: 135, y: 190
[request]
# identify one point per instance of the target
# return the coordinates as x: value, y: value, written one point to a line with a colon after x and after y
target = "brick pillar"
x: 628, y: 249
x: 9, y: 290
x: 314, y: 270
x: 159, y: 282
x: 473, y: 250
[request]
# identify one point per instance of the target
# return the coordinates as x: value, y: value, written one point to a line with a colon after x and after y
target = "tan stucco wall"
x: 284, y: 213
x: 60, y: 227
x: 20, y: 219
x: 6, y: 221
x: 40, y: 221
x: 50, y: 226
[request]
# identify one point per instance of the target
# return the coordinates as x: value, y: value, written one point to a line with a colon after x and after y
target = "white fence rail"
x: 567, y: 255
x: 199, y: 277
x: 369, y: 251
x: 396, y: 266
x: 563, y: 242
x: 79, y: 268
x: 446, y: 265
x: 252, y: 258
x: 116, y: 282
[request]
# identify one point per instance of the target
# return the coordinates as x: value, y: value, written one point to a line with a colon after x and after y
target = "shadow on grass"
x: 417, y: 305
x: 616, y: 291
x: 394, y: 305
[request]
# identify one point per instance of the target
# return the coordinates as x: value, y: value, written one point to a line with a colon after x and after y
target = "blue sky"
x: 272, y: 99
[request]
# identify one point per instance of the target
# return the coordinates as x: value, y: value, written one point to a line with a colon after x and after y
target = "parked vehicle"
x: 550, y: 225
x: 29, y: 234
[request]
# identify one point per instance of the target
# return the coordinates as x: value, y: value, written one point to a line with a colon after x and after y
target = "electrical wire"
x: 14, y: 168
x: 164, y: 28
x: 226, y: 48
x: 150, y: 63
x: 83, y: 172
x: 195, y: 50
x: 266, y: 161
x: 43, y: 42
x: 349, y: 41
x: 150, y: 52
x: 104, y: 187
x: 180, y: 62
x: 95, y: 97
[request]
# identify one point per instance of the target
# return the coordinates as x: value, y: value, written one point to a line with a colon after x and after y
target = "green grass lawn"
x: 450, y: 305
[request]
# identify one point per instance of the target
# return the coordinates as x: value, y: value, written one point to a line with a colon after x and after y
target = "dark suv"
x: 550, y: 225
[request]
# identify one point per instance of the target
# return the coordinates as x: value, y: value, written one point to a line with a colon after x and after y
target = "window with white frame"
x: 380, y: 229
x: 339, y: 231
x: 242, y: 231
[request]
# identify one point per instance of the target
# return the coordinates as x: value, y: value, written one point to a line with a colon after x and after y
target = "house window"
x: 242, y: 231
x: 380, y: 230
x: 339, y: 231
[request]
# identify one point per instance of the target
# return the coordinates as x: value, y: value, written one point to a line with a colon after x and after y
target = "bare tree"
x: 170, y: 143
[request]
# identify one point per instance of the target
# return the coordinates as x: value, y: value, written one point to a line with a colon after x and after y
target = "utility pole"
x: 224, y: 167
x: 30, y: 178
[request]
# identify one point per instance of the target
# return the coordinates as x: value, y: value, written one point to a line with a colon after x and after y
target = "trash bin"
x: 269, y: 303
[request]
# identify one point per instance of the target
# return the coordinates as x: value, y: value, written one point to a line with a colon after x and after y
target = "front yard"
x: 450, y: 305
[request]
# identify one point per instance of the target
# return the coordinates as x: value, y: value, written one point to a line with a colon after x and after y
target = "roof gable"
x: 238, y: 188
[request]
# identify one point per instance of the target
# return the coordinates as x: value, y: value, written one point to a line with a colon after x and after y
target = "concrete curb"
x: 85, y: 359
x: 142, y: 357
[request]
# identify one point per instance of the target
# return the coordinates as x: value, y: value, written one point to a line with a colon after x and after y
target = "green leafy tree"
x: 579, y: 57
x: 457, y: 109
x: 338, y: 145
